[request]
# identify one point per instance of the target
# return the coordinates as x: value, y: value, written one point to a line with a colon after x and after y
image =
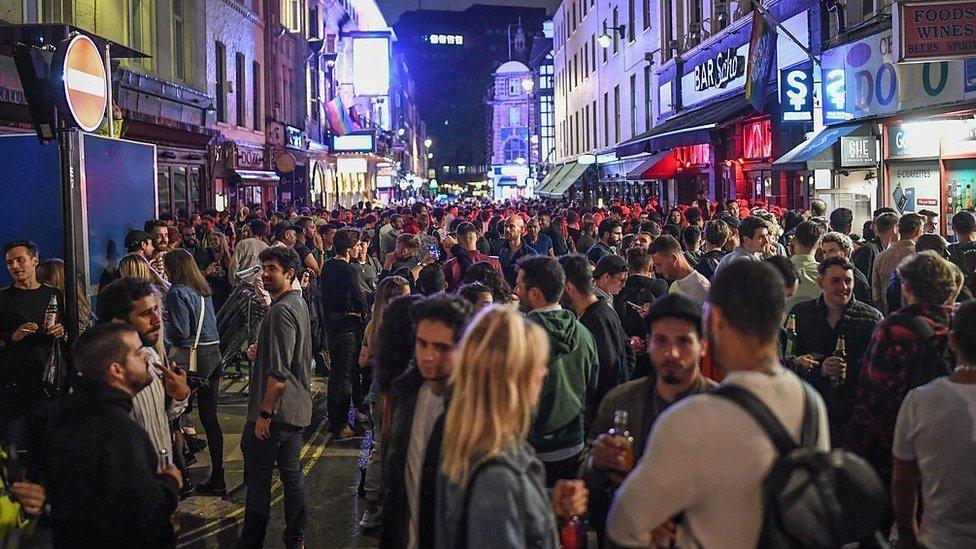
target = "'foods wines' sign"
x: 940, y: 30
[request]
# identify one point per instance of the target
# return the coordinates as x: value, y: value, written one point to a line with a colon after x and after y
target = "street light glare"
x: 428, y: 142
x: 604, y: 40
x: 528, y: 84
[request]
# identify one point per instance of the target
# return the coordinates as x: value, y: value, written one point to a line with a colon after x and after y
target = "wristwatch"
x: 266, y: 415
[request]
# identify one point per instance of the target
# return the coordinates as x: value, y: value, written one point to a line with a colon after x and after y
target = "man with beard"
x: 514, y: 248
x: 610, y: 234
x: 280, y: 404
x: 105, y: 481
x: 675, y: 347
x: 133, y: 302
x: 412, y: 458
x: 678, y: 472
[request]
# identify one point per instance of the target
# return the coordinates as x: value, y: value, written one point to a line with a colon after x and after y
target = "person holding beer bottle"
x: 832, y: 336
x: 626, y: 414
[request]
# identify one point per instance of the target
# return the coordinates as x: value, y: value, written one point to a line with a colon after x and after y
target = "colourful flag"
x: 338, y: 116
x: 762, y: 49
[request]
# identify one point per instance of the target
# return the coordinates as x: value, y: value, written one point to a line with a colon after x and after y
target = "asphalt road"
x: 332, y: 476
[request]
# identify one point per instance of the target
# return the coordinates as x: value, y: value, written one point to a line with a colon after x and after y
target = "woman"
x: 135, y: 266
x: 389, y: 289
x: 484, y: 273
x: 486, y: 462
x: 188, y: 299
x: 216, y: 273
x: 51, y: 272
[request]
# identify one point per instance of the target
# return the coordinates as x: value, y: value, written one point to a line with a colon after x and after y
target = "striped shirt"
x: 150, y: 410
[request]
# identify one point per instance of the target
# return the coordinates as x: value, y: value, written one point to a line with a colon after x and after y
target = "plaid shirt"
x: 892, y: 353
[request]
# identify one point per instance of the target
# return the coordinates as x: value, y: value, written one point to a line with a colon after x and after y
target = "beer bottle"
x: 51, y: 312
x: 571, y: 534
x: 840, y: 351
x: 620, y: 429
x: 790, y: 337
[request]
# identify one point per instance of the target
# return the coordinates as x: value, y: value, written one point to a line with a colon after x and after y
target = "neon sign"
x: 757, y: 139
x: 720, y: 70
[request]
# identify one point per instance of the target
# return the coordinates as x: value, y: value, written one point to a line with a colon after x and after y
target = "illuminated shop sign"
x: 353, y: 142
x: 861, y: 79
x: 720, y: 70
x: 934, y: 31
x: 796, y: 95
x: 445, y: 39
x: 858, y: 151
x: 371, y: 65
x: 757, y: 140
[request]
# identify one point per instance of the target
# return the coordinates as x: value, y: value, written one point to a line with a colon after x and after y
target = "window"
x: 616, y: 114
x: 695, y: 21
x: 668, y: 37
x: 593, y: 50
x: 586, y: 61
x: 514, y: 117
x: 514, y: 149
x: 256, y: 109
x: 141, y: 24
x: 291, y: 14
x: 586, y: 127
x: 240, y: 89
x: 647, y: 13
x: 616, y: 23
x: 606, y: 119
x: 220, y: 58
x: 514, y: 86
x: 595, y: 135
x: 633, y: 105
x: 647, y: 98
x: 859, y: 11
x: 631, y: 21
x: 462, y: 169
x: 179, y: 57
x: 573, y: 26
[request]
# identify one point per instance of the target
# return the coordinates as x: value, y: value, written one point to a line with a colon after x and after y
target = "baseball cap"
x: 674, y: 306
x: 135, y: 238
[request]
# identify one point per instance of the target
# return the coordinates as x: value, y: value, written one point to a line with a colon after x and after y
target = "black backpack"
x: 811, y: 498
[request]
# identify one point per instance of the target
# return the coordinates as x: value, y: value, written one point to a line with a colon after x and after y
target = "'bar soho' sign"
x: 718, y: 71
x: 934, y: 30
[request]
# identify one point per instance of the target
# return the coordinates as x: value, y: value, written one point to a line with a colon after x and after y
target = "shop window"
x: 162, y: 190
x: 692, y: 155
x: 180, y: 192
x: 757, y: 140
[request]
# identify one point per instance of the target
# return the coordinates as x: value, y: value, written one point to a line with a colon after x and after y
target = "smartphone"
x: 634, y: 305
x: 434, y: 251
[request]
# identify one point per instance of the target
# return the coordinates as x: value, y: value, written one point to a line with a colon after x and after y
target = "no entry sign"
x: 83, y: 90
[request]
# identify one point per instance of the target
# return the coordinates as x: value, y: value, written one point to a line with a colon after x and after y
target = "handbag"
x: 194, y: 378
x: 53, y: 378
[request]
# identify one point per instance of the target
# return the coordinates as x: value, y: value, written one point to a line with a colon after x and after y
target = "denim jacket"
x: 183, y: 308
x: 508, y: 506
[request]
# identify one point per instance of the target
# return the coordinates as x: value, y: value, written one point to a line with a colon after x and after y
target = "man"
x: 160, y: 235
x: 609, y: 277
x: 676, y: 348
x: 964, y: 226
x: 905, y: 352
x: 586, y: 235
x: 203, y: 256
x: 536, y: 239
x: 806, y: 240
x: 610, y: 234
x: 412, y: 461
x: 678, y: 473
x: 670, y: 263
x: 842, y: 221
x: 641, y: 288
x: 615, y: 358
x: 557, y: 231
x: 106, y: 483
x: 280, y: 404
x: 247, y: 251
x: 909, y: 230
x: 388, y: 234
x: 642, y: 241
x: 691, y: 240
x: 834, y: 244
x: 819, y: 324
x: 343, y: 310
x: 818, y: 209
x: 717, y: 233
x: 140, y: 243
x: 24, y: 340
x: 514, y: 248
x: 557, y: 430
x: 885, y: 229
x: 466, y: 254
x: 285, y: 234
x: 135, y: 303
x: 933, y: 446
x: 754, y: 238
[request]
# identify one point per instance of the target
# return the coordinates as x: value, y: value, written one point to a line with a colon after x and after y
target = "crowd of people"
x: 531, y: 373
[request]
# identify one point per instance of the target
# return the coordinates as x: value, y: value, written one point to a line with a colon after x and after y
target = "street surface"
x: 332, y: 475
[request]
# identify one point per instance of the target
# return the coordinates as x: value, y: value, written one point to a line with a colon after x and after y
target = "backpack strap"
x: 761, y: 413
x: 811, y: 418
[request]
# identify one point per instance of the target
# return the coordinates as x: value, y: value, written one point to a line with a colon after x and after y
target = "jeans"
x: 344, y: 349
x: 260, y: 458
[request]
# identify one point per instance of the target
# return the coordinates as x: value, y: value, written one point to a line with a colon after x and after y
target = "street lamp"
x: 428, y: 142
x: 528, y: 83
x: 606, y: 38
x: 430, y: 155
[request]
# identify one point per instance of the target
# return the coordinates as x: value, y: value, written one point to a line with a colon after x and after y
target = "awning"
x: 254, y: 178
x: 554, y: 175
x: 818, y: 152
x: 571, y: 176
x: 661, y: 165
x: 689, y: 128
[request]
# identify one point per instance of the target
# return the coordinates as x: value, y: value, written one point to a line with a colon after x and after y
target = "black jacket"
x: 396, y: 511
x: 559, y: 245
x: 99, y: 470
x: 814, y: 335
x: 708, y: 262
x: 638, y: 290
x: 616, y: 357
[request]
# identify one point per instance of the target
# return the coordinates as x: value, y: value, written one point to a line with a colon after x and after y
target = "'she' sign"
x: 935, y: 31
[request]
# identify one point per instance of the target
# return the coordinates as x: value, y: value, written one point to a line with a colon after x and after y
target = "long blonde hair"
x: 498, y: 356
x: 135, y: 266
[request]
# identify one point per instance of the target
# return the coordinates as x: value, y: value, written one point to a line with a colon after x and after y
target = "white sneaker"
x: 371, y: 520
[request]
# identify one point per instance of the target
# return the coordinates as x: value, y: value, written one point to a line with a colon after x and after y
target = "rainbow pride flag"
x: 338, y: 116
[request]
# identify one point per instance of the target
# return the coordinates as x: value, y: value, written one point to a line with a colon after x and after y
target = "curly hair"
x: 484, y: 273
x: 930, y: 278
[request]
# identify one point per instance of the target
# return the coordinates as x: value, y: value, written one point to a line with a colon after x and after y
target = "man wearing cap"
x: 676, y: 348
x: 140, y: 243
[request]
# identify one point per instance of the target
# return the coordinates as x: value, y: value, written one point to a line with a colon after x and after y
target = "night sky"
x: 393, y: 8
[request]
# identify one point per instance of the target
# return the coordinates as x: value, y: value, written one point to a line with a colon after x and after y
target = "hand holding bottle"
x: 569, y: 498
x: 609, y: 454
x: 832, y: 366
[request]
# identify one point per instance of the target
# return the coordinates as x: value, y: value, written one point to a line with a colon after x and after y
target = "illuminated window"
x: 757, y: 139
x: 460, y: 40
x: 451, y: 39
x: 515, y: 149
x: 291, y: 14
x: 514, y: 117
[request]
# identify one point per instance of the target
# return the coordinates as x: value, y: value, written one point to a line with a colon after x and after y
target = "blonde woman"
x: 135, y: 266
x: 493, y: 492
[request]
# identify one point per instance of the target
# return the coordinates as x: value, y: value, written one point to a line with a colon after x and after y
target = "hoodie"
x: 572, y: 379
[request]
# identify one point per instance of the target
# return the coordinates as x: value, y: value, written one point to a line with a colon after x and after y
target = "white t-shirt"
x: 694, y: 286
x: 937, y: 428
x: 707, y: 457
x: 428, y: 409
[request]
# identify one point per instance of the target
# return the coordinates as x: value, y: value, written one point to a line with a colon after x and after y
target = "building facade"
x: 514, y: 143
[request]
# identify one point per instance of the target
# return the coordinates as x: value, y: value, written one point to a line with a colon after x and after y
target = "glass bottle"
x: 51, y: 312
x: 571, y: 534
x: 840, y: 351
x: 621, y: 429
x: 790, y: 337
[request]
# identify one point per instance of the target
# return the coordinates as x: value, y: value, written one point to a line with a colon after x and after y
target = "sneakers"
x: 372, y: 520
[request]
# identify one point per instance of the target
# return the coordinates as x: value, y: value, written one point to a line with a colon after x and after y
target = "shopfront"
x: 246, y: 179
